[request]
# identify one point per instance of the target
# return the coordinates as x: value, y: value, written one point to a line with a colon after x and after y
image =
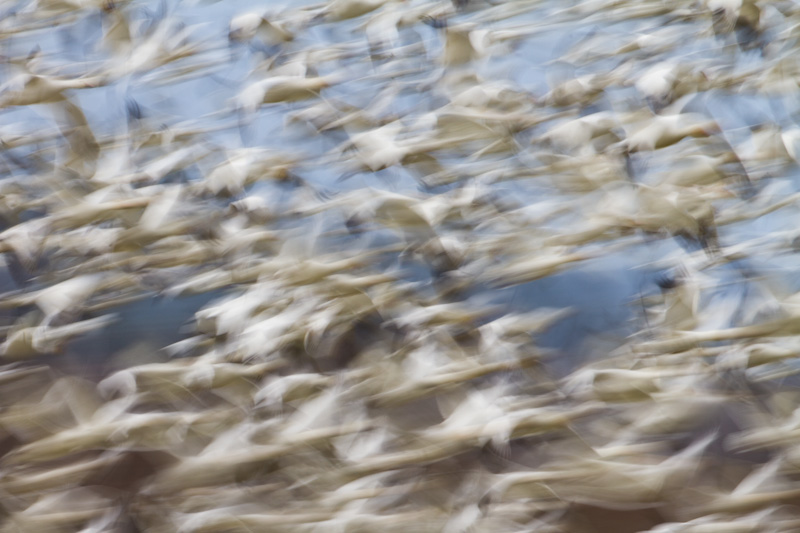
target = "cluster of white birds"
x: 359, y: 366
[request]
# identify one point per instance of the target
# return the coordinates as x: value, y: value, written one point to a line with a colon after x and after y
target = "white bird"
x: 26, y: 342
x: 662, y: 131
x: 30, y: 89
x: 281, y: 88
x: 269, y: 29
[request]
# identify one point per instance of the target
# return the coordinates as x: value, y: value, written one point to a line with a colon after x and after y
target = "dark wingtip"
x: 438, y: 23
x: 133, y: 108
x: 666, y: 282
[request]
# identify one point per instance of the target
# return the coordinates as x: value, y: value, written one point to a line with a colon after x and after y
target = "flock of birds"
x: 353, y: 205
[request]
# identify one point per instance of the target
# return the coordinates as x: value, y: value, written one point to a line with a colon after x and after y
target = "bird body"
x: 30, y: 89
x: 665, y: 130
x: 268, y: 29
x: 281, y: 89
